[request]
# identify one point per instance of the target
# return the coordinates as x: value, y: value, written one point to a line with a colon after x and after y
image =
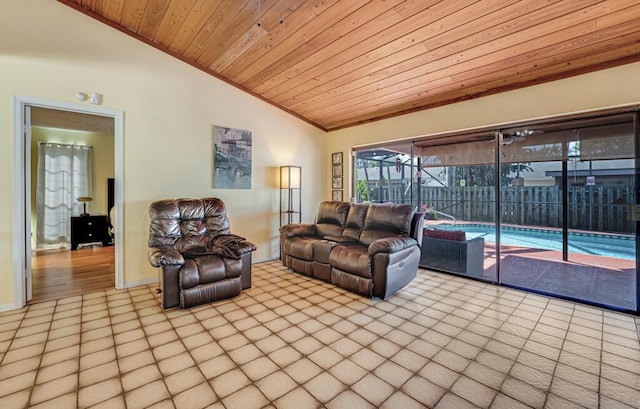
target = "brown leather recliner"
x: 372, y: 250
x: 199, y: 260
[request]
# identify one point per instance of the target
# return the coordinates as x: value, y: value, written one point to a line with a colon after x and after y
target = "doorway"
x: 72, y: 159
x: 24, y: 107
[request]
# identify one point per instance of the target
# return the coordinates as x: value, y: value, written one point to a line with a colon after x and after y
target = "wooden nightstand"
x: 89, y: 229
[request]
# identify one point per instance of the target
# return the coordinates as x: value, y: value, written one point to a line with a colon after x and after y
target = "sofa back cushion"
x: 186, y: 223
x: 355, y: 220
x: 386, y: 220
x: 331, y: 218
x: 456, y: 235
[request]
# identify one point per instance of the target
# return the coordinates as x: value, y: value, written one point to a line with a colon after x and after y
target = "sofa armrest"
x: 164, y: 256
x: 299, y: 229
x: 417, y: 227
x: 391, y: 244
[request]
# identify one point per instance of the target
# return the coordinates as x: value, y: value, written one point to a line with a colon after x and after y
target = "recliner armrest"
x: 299, y: 229
x: 164, y: 256
x: 391, y: 244
x: 246, y: 247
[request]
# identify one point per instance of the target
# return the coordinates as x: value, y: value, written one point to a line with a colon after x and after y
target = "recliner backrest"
x: 386, y: 220
x: 186, y: 223
x: 355, y: 220
x: 331, y: 218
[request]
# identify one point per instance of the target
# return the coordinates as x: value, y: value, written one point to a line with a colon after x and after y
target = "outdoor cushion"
x: 457, y: 235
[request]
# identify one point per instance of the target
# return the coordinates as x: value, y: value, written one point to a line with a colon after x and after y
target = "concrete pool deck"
x: 595, y: 279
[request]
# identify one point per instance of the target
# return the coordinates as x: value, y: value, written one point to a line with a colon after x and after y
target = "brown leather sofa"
x: 370, y: 249
x: 199, y: 260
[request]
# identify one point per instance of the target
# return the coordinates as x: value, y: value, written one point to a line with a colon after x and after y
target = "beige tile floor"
x: 294, y: 342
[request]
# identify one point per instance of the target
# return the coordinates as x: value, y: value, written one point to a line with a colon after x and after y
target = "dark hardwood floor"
x: 65, y: 273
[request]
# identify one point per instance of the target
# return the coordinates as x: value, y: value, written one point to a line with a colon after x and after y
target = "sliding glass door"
x: 385, y: 175
x: 566, y: 228
x: 551, y: 204
x: 458, y: 185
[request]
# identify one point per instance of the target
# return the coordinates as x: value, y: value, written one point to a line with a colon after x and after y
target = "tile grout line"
x: 115, y: 344
x: 443, y: 308
x: 199, y: 321
x: 35, y: 378
x: 557, y: 361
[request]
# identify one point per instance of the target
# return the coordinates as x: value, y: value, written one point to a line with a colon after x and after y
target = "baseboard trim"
x: 8, y: 307
x: 264, y: 260
x: 139, y: 283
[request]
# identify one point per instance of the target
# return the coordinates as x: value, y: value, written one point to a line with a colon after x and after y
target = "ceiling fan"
x: 519, y: 136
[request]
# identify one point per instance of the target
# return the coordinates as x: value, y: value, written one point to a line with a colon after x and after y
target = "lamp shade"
x: 290, y: 177
x: 84, y: 200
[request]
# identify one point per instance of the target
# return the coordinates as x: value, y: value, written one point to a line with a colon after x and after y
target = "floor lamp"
x: 290, y: 194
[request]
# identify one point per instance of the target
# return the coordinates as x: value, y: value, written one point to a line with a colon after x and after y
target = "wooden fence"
x: 592, y: 208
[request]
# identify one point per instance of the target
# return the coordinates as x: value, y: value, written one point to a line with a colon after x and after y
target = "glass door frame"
x: 636, y: 205
x: 458, y: 137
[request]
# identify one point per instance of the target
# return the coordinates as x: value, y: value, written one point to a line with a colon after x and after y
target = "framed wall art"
x: 231, y: 158
x: 336, y: 177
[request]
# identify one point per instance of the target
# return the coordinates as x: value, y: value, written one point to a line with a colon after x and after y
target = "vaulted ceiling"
x: 338, y: 63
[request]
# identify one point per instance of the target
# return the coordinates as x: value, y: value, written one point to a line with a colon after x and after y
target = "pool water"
x: 609, y: 245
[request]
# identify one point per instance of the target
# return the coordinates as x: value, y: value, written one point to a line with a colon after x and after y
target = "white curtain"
x: 64, y: 175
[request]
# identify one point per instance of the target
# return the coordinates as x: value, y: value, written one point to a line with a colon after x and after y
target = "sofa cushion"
x: 355, y: 220
x: 331, y: 218
x: 300, y: 247
x: 210, y: 269
x: 386, y: 220
x: 352, y: 258
x: 186, y: 223
x: 327, y: 229
x: 332, y: 213
x: 457, y: 235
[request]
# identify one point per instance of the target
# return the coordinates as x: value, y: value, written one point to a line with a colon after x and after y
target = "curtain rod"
x: 65, y: 145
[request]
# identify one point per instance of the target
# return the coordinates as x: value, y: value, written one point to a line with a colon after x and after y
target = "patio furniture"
x: 451, y: 252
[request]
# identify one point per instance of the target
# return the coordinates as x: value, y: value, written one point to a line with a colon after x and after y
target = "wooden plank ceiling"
x: 338, y: 63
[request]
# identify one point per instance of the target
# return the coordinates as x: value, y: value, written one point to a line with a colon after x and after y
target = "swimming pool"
x: 609, y: 245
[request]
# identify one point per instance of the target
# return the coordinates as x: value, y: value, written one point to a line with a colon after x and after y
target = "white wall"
x: 51, y: 51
